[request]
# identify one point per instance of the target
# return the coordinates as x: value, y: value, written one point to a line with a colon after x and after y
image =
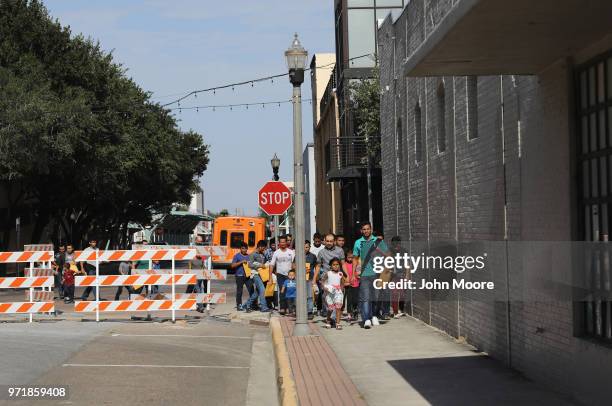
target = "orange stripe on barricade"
x: 24, y: 307
x: 88, y: 280
x: 4, y: 307
x: 108, y: 280
x: 25, y: 256
x: 38, y: 282
x: 137, y: 255
x: 157, y: 255
x: 181, y: 254
x: 103, y: 305
x: 188, y: 304
x: 47, y: 307
x: 116, y: 255
x: 131, y: 279
x: 46, y: 257
x: 123, y: 305
x: 4, y: 256
x: 17, y: 282
x: 151, y: 280
x: 144, y: 305
x: 190, y: 281
x: 166, y: 305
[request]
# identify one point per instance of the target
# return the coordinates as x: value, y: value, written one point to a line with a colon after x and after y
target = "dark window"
x: 594, y: 147
x: 418, y: 133
x: 223, y: 238
x: 236, y: 240
x: 251, y: 238
x: 441, y: 118
x: 472, y: 106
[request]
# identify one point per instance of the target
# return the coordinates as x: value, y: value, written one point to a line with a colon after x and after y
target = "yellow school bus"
x: 231, y: 231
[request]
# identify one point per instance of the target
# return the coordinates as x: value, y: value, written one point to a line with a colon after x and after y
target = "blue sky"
x: 171, y: 47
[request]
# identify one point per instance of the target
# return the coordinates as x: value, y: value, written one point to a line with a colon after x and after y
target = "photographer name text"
x: 434, y: 284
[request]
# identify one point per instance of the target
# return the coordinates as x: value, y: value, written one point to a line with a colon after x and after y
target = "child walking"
x: 289, y: 290
x: 333, y: 284
x: 70, y: 270
x: 351, y: 287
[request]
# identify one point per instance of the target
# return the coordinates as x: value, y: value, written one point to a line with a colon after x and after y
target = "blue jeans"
x: 200, y: 287
x: 367, y: 297
x: 259, y: 291
x: 309, y: 305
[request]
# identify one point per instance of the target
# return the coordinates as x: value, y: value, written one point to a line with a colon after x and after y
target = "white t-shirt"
x: 283, y: 261
x: 88, y: 251
x: 334, y: 278
x: 315, y: 250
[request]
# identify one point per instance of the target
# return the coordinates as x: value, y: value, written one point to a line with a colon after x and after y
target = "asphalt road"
x: 207, y: 361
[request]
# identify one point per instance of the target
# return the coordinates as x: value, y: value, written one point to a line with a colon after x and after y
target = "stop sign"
x: 274, y: 198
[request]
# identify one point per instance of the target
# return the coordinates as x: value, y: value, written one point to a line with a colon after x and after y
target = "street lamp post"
x: 275, y: 165
x: 296, y: 57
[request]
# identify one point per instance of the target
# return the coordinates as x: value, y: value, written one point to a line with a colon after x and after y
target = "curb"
x: 287, y: 393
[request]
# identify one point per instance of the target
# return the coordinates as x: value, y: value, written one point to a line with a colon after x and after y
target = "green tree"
x: 365, y: 105
x: 82, y: 147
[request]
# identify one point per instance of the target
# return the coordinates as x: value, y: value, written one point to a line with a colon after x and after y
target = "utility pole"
x: 296, y: 61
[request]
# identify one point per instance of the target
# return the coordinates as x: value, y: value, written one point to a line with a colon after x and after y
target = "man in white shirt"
x: 282, y: 261
x: 316, y: 244
x: 89, y: 266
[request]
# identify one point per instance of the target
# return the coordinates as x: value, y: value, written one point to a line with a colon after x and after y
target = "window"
x: 593, y: 314
x: 251, y: 238
x: 223, y: 238
x: 362, y: 37
x: 236, y: 240
x: 441, y: 119
x: 418, y: 133
x: 472, y: 107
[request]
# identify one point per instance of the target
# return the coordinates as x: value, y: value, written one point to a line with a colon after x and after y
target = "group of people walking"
x: 339, y: 281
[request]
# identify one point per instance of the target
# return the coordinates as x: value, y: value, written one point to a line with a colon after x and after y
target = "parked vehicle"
x: 231, y: 231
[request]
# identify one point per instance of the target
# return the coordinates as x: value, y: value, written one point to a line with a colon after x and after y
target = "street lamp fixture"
x: 296, y: 57
x: 275, y: 165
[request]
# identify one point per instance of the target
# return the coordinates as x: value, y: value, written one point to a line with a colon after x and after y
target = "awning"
x: 490, y: 37
x: 181, y: 221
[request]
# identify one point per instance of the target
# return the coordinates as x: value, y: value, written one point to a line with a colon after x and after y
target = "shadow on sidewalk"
x: 471, y: 380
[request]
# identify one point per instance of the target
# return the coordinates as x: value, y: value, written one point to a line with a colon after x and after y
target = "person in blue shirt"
x: 365, y: 249
x: 289, y: 289
x: 238, y: 262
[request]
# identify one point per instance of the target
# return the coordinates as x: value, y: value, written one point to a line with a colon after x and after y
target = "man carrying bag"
x: 364, y: 250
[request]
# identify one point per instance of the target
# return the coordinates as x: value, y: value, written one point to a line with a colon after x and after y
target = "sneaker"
x: 249, y: 310
x: 375, y: 321
x: 398, y: 315
x: 367, y: 325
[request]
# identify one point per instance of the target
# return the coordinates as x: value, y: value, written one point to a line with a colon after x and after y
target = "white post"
x: 173, y: 290
x: 150, y: 290
x: 31, y: 289
x: 97, y: 285
x: 208, y: 282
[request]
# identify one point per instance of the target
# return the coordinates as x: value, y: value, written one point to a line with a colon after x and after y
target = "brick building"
x: 496, y: 122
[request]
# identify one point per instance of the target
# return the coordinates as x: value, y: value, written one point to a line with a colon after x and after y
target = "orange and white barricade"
x: 43, y: 270
x: 204, y: 253
x: 145, y: 254
x: 31, y: 282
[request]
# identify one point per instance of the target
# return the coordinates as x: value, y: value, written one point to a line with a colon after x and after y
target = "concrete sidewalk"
x: 406, y: 362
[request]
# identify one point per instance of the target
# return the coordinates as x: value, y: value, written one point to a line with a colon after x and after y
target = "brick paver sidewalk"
x: 319, y: 377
